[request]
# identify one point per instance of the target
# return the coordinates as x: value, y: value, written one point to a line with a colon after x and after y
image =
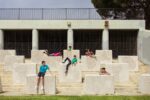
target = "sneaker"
x: 42, y: 88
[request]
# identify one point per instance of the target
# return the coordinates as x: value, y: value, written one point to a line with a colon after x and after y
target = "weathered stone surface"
x: 89, y: 64
x: 131, y: 60
x: 10, y: 60
x: 98, y: 84
x: 120, y: 71
x: 73, y: 76
x: 52, y: 61
x: 144, y: 84
x: 3, y: 53
x: 70, y: 54
x: 104, y: 56
x: 0, y: 85
x: 21, y: 70
x: 37, y: 56
x: 49, y: 86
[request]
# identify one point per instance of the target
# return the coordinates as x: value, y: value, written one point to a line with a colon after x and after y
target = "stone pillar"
x: 105, y: 39
x: 70, y: 38
x: 35, y: 39
x: 1, y: 39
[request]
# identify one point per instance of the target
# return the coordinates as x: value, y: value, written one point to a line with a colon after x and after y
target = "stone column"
x: 105, y: 39
x: 1, y: 39
x: 35, y: 39
x: 70, y: 38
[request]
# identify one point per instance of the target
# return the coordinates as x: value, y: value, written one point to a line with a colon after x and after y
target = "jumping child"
x: 73, y: 61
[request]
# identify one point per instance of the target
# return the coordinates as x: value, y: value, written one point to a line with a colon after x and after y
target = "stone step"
x: 126, y: 90
x: 69, y: 90
x: 69, y: 84
x: 7, y: 87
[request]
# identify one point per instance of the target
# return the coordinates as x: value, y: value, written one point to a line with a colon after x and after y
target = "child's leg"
x: 66, y: 59
x: 67, y: 67
x: 38, y: 83
x: 43, y: 85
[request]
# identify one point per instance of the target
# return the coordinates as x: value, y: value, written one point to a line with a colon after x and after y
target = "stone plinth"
x: 98, y: 84
x: 131, y: 60
x: 21, y: 70
x: 49, y: 86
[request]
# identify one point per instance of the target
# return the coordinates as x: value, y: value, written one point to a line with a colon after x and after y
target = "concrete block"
x: 98, y: 84
x: 49, y: 86
x: 37, y: 56
x: 89, y: 64
x: 120, y: 71
x: 51, y: 61
x: 21, y: 70
x: 144, y: 84
x: 70, y: 54
x: 1, y: 85
x: 9, y: 60
x: 3, y: 53
x: 104, y: 56
x: 131, y: 60
x: 74, y: 74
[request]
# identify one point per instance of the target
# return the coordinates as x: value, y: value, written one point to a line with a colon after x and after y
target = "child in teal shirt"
x: 41, y: 74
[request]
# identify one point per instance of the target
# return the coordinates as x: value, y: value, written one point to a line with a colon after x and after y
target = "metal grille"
x: 20, y: 40
x: 53, y: 40
x: 123, y: 42
x: 87, y: 39
x: 65, y: 13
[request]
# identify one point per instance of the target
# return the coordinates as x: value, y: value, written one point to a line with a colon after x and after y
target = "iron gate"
x: 123, y: 42
x: 87, y: 39
x: 20, y: 40
x: 53, y: 40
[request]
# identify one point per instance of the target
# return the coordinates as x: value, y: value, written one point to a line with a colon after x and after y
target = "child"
x: 52, y: 54
x: 103, y: 71
x: 41, y: 74
x: 73, y: 61
x: 90, y: 53
x: 70, y: 48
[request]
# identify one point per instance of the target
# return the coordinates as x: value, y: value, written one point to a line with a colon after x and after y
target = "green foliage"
x: 132, y: 9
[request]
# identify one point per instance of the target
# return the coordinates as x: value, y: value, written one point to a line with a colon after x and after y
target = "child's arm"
x: 50, y: 71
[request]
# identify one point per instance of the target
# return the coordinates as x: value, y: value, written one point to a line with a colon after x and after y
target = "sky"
x: 46, y: 4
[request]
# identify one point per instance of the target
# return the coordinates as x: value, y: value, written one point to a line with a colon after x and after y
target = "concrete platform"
x: 98, y: 85
x: 53, y: 62
x: 9, y: 60
x: 70, y: 54
x: 50, y: 85
x: 21, y: 70
x: 131, y: 60
x: 89, y: 64
x: 144, y: 84
x: 3, y: 54
x: 104, y: 56
x: 74, y: 74
x: 120, y: 71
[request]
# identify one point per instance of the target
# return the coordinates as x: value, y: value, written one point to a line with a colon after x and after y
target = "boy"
x: 70, y: 48
x: 103, y: 71
x: 41, y: 74
x: 73, y: 61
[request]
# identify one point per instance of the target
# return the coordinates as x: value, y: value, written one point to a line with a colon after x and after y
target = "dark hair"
x: 103, y: 68
x: 75, y: 56
x: 43, y: 62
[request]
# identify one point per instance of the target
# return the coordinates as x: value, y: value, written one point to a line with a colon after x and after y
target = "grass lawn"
x: 75, y: 98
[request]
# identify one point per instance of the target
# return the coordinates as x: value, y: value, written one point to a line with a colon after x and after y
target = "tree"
x: 127, y: 9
